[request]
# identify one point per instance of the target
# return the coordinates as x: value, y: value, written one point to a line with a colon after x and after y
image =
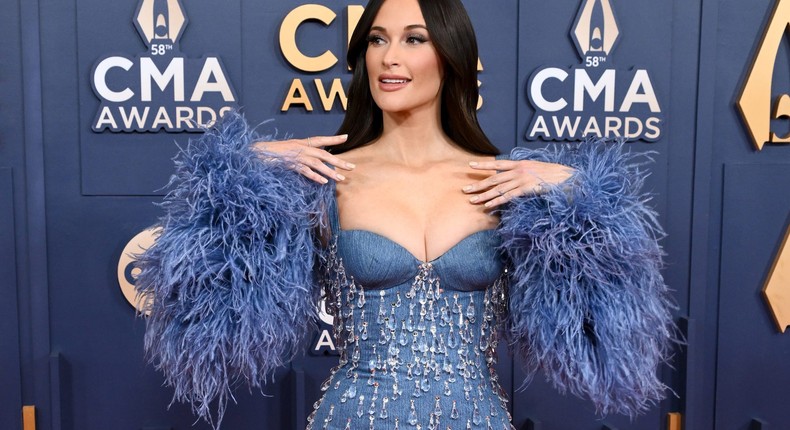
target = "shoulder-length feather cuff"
x: 588, y: 304
x: 229, y: 282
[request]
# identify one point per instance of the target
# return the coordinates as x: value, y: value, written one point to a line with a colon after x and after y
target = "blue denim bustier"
x: 417, y: 340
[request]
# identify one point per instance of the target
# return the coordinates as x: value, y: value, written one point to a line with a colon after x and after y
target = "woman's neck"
x: 414, y: 139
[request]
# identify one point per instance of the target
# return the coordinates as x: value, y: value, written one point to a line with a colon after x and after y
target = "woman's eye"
x: 416, y: 39
x: 375, y: 40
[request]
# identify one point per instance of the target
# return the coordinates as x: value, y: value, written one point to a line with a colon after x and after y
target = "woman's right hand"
x: 308, y: 156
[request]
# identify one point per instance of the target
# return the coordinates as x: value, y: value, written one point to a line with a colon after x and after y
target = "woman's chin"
x: 402, y: 107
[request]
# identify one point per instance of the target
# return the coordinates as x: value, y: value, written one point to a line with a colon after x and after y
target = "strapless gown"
x: 417, y: 340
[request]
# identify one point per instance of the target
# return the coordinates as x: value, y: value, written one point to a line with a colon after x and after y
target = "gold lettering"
x: 335, y: 92
x: 354, y: 14
x: 754, y: 102
x: 297, y: 96
x: 288, y: 46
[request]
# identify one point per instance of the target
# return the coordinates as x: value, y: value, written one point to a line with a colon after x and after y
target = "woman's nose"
x: 391, y: 57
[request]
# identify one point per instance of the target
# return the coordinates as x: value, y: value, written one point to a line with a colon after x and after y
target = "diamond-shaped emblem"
x: 777, y: 288
x: 595, y: 31
x: 160, y: 21
x: 755, y: 102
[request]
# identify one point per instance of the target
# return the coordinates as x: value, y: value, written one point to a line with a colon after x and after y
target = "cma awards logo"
x: 756, y: 99
x: 591, y: 98
x: 161, y: 89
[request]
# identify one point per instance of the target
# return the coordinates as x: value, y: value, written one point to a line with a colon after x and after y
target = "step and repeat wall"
x: 98, y: 97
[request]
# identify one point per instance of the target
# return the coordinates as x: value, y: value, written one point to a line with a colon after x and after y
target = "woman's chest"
x: 427, y: 213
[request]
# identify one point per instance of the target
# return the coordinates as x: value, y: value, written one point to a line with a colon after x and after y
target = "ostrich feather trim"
x: 588, y: 304
x: 229, y: 281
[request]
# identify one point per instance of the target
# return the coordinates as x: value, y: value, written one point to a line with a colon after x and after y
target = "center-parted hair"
x: 453, y: 37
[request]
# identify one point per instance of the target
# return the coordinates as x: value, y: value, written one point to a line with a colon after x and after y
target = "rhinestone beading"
x: 412, y: 356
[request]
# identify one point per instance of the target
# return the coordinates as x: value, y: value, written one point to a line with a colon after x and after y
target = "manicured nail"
x: 473, y: 163
x: 340, y: 177
x: 474, y: 199
x: 488, y: 204
x: 350, y: 165
x: 324, y: 180
x: 344, y: 136
x: 467, y: 188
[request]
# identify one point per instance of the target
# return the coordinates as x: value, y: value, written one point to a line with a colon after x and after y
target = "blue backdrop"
x: 72, y: 197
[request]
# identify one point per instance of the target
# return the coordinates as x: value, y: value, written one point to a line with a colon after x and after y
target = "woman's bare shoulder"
x: 357, y: 150
x: 366, y: 157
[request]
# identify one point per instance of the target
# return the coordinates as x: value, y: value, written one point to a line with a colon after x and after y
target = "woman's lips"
x: 393, y: 83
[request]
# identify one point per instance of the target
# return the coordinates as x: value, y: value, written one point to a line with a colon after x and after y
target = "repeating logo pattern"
x: 161, y: 89
x: 755, y: 105
x: 589, y: 99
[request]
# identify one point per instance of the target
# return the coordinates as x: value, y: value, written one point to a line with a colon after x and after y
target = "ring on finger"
x: 308, y: 142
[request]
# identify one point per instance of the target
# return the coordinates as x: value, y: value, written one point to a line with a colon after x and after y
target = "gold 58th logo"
x: 756, y: 101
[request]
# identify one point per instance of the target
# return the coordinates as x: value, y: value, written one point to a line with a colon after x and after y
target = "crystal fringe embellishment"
x: 442, y: 342
x: 412, y: 414
x: 454, y: 412
x: 360, y: 406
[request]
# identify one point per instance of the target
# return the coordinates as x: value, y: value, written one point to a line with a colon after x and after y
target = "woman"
x: 411, y: 250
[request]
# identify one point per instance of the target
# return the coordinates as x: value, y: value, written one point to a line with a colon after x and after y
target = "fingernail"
x: 473, y: 163
x: 474, y: 199
x: 350, y: 165
x: 324, y: 180
x: 344, y: 136
x: 467, y: 188
x: 488, y: 204
x: 340, y: 177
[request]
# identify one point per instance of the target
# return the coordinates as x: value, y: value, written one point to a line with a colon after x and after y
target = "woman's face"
x: 404, y: 71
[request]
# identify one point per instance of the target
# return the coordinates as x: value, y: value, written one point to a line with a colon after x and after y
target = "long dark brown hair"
x: 453, y: 37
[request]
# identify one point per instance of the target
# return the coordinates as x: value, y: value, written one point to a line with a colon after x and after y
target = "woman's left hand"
x: 514, y: 178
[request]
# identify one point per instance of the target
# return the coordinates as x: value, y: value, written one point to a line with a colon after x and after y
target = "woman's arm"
x: 229, y: 282
x: 588, y: 303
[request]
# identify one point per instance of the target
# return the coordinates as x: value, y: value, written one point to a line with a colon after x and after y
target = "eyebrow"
x: 408, y: 27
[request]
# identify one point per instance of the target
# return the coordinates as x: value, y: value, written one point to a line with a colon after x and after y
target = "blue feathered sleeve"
x: 229, y: 281
x: 588, y: 304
